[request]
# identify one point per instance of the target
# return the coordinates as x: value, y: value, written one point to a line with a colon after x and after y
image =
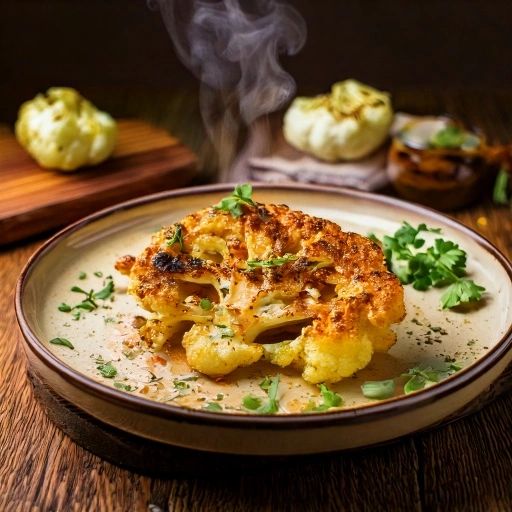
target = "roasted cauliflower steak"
x: 270, y: 283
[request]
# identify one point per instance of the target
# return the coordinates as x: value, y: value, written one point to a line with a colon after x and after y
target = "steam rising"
x: 233, y: 47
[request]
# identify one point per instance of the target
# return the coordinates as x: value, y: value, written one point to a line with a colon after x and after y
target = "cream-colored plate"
x: 163, y: 389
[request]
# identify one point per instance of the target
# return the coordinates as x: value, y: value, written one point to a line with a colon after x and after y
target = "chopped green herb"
x: 181, y: 385
x: 107, y: 370
x: 206, y: 304
x: 65, y: 308
x: 212, y: 406
x: 62, y: 341
x: 177, y: 238
x: 76, y: 315
x: 225, y: 332
x: 270, y: 406
x: 450, y: 137
x: 242, y: 195
x: 106, y: 292
x: 124, y: 387
x: 219, y: 397
x: 98, y: 274
x: 378, y: 389
x: 420, y: 377
x: 77, y: 289
x: 82, y: 276
x: 330, y: 399
x: 274, y: 262
x: 440, y: 265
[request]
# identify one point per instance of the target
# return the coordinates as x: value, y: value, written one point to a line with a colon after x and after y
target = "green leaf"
x: 274, y: 262
x: 270, y: 406
x: 500, y: 193
x: 330, y: 399
x: 98, y: 274
x: 124, y: 387
x: 177, y: 238
x: 213, y: 406
x: 65, y: 308
x: 419, y: 377
x: 107, y: 370
x: 105, y: 292
x: 82, y: 275
x: 415, y: 383
x: 242, y: 195
x: 450, y: 137
x: 461, y: 292
x: 77, y: 289
x: 62, y: 341
x: 206, y: 304
x: 378, y: 389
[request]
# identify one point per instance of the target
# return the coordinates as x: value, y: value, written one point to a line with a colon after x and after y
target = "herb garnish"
x: 82, y: 276
x: 242, y: 195
x: 107, y: 370
x: 378, y: 389
x: 257, y: 405
x: 89, y: 303
x: 206, y: 304
x: 442, y: 264
x: 225, y: 331
x: 329, y: 399
x: 177, y: 238
x: 274, y: 262
x: 420, y: 377
x: 124, y: 387
x: 62, y: 341
x: 98, y: 273
x: 213, y: 406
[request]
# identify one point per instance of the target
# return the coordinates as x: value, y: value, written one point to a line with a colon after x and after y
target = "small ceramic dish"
x: 157, y: 397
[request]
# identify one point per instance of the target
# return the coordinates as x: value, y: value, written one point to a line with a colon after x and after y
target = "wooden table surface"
x: 466, y: 465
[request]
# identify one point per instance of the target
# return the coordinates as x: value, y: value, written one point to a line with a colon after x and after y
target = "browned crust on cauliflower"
x: 334, y: 283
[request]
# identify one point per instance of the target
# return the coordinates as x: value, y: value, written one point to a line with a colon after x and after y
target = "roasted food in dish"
x: 244, y: 281
x: 347, y: 124
x: 439, y: 162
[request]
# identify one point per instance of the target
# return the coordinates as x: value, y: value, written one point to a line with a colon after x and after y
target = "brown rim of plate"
x: 361, y: 414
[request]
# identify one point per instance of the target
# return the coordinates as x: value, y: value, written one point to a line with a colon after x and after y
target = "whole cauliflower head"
x: 347, y: 124
x: 268, y: 283
x: 62, y: 130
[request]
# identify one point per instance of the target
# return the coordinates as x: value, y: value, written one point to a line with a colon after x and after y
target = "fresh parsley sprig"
x: 329, y: 399
x: 273, y: 262
x: 440, y: 265
x: 255, y: 404
x: 242, y: 195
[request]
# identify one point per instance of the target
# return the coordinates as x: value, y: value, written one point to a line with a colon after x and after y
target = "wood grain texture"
x: 463, y: 466
x: 32, y: 200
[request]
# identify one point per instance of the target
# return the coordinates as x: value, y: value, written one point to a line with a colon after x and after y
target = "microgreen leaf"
x: 98, y: 274
x: 330, y: 399
x: 107, y: 370
x: 241, y: 195
x: 419, y: 377
x: 450, y: 137
x: 65, y: 308
x: 177, y: 238
x: 274, y: 262
x: 378, y: 389
x: 124, y: 387
x: 82, y: 276
x: 105, y: 292
x: 62, y: 341
x: 270, y: 406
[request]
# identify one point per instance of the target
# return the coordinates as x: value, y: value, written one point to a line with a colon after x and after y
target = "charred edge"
x: 168, y: 263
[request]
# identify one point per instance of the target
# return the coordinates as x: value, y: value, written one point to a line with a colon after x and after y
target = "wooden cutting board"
x: 34, y: 200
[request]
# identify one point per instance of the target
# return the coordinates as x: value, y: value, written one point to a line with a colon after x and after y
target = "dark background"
x: 100, y: 46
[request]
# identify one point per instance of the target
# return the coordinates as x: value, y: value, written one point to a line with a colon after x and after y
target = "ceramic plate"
x: 157, y: 396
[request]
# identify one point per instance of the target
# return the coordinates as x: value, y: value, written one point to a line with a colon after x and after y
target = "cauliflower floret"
x: 217, y: 350
x: 347, y: 124
x: 62, y: 130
